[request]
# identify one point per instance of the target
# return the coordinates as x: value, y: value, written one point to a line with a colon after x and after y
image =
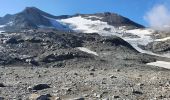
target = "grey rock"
x: 39, y: 87
x: 44, y: 97
x: 2, y: 98
x: 2, y: 85
x: 137, y: 92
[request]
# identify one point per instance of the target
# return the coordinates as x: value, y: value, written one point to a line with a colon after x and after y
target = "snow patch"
x: 160, y: 64
x: 141, y: 32
x: 1, y: 26
x: 144, y: 39
x: 1, y: 31
x: 163, y: 39
x: 87, y: 50
x: 144, y: 34
x: 10, y: 23
x: 80, y: 24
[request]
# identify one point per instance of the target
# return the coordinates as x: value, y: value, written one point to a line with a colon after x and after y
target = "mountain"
x: 30, y: 17
x: 95, y: 55
x: 33, y: 18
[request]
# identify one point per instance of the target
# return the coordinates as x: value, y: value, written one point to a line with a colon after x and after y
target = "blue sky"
x: 133, y: 9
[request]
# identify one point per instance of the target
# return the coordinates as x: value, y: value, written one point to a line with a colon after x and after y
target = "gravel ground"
x: 91, y: 83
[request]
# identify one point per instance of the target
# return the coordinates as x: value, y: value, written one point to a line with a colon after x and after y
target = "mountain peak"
x: 31, y: 8
x: 32, y: 17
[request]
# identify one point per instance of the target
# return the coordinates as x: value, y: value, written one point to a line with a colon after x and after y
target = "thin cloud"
x: 159, y: 17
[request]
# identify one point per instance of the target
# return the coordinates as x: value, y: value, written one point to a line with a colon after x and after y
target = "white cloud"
x: 159, y: 17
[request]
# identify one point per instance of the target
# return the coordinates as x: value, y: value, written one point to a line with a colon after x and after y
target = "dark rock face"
x: 117, y: 20
x: 30, y: 18
x: 5, y: 19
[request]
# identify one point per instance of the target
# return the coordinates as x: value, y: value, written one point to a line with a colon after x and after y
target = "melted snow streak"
x: 87, y: 51
x: 160, y: 64
x: 163, y: 39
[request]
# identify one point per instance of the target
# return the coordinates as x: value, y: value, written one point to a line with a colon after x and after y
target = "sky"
x: 132, y: 9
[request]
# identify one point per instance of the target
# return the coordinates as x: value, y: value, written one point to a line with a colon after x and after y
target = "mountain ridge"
x: 32, y: 18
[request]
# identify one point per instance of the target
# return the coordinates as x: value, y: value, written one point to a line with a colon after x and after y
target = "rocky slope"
x: 40, y: 47
x: 79, y: 66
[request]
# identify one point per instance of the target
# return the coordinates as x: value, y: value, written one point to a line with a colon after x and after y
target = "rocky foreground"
x: 54, y: 65
x: 88, y: 83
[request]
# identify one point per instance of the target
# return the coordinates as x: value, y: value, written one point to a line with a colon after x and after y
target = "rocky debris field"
x: 88, y: 83
x: 57, y: 49
x: 54, y: 65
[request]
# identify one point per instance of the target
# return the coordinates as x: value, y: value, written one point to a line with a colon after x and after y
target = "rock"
x: 117, y: 70
x: 12, y: 41
x: 39, y: 87
x: 92, y: 69
x: 57, y: 98
x: 33, y: 96
x: 32, y: 62
x: 140, y: 84
x: 116, y: 96
x: 105, y: 99
x: 2, y: 85
x: 2, y: 98
x: 112, y: 76
x: 76, y: 74
x: 137, y: 92
x: 98, y: 95
x: 92, y: 74
x: 44, y: 97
